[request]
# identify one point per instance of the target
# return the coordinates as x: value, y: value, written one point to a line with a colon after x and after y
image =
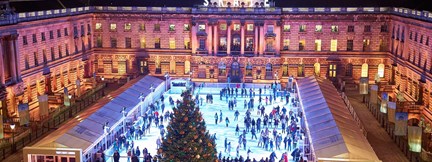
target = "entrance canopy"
x: 86, y: 129
x: 332, y: 131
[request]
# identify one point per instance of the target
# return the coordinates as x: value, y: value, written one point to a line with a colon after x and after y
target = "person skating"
x: 236, y: 114
x: 220, y: 116
x: 226, y: 144
x: 227, y: 121
x: 216, y: 118
x: 273, y: 156
x: 116, y: 156
x: 237, y: 130
x: 253, y: 133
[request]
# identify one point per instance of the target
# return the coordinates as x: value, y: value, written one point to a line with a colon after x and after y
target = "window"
x: 270, y: 28
x: 113, y: 27
x: 302, y: 28
x: 286, y: 28
x: 366, y: 44
x: 350, y: 45
x: 75, y: 32
x: 66, y: 33
x: 51, y: 34
x: 318, y: 45
x: 410, y: 35
x: 286, y: 43
x: 34, y: 38
x: 127, y: 27
x: 171, y: 27
x: 58, y: 33
x: 157, y: 43
x: 35, y: 57
x: 300, y: 70
x: 52, y: 54
x: 318, y: 28
x: 364, y: 70
x: 421, y: 39
x: 44, y: 57
x: 250, y: 27
x: 99, y: 41
x: 60, y: 51
x: 172, y: 43
x: 128, y: 42
x: 186, y: 27
x: 223, y: 27
x: 349, y: 69
x: 67, y: 49
x: 187, y: 44
x: 367, y: 28
x: 98, y: 26
x: 24, y: 38
x: 332, y: 71
x: 427, y: 41
x: 26, y: 61
x: 384, y: 28
x: 142, y: 27
x: 403, y: 34
x: 202, y: 44
x: 88, y: 29
x: 142, y: 43
x: 249, y: 44
x: 236, y: 27
x: 43, y: 36
x: 156, y: 27
x: 333, y: 45
x: 335, y: 28
x: 382, y: 45
x: 302, y: 44
x: 317, y: 69
x: 350, y: 28
x: 202, y: 27
x: 82, y: 31
x: 113, y: 42
x: 381, y: 70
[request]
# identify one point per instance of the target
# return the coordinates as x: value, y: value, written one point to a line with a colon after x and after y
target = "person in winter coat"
x: 116, y: 156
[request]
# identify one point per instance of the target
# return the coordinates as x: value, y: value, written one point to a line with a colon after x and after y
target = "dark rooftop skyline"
x: 54, y: 4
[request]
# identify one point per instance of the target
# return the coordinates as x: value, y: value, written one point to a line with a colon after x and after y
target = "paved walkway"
x: 381, y: 142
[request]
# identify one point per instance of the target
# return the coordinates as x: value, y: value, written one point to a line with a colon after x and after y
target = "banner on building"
x: 24, y: 115
x: 1, y: 126
x: 391, y: 108
x: 374, y: 95
x: 384, y: 101
x: 43, y: 106
x: 414, y: 138
x: 401, y: 124
x: 364, y: 85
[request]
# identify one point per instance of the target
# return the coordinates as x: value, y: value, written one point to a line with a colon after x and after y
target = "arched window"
x: 172, y: 66
x: 222, y: 69
x: 300, y: 70
x: 349, y: 69
x: 364, y: 70
x: 269, y: 67
x: 317, y: 69
x: 187, y: 67
x: 285, y: 69
x: 249, y: 69
x: 381, y: 70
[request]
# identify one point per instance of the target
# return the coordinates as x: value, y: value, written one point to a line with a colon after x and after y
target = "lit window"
x: 98, y: 26
x: 223, y: 26
x: 332, y: 70
x: 333, y: 46
x: 350, y: 45
x: 142, y: 43
x: 318, y: 28
x: 127, y: 27
x: 381, y: 70
x: 187, y: 44
x: 113, y: 27
x: 171, y: 27
x: 201, y: 27
x: 287, y: 28
x: 302, y: 28
x: 186, y: 27
x: 172, y: 43
x: 286, y: 43
x: 318, y: 45
x: 236, y: 27
x: 364, y: 70
x: 334, y: 28
x: 317, y: 69
x: 250, y: 27
x: 142, y: 27
x: 302, y: 44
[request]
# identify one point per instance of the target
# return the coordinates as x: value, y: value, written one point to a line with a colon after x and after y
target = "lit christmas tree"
x: 187, y: 138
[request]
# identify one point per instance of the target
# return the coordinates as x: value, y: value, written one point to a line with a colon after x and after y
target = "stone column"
x: 3, y: 107
x: 256, y: 39
x: 194, y: 40
x: 261, y: 39
x: 277, y: 31
x: 17, y: 56
x: 229, y: 37
x: 215, y: 38
x: 13, y: 60
x: 47, y: 73
x: 209, y: 37
x: 242, y: 38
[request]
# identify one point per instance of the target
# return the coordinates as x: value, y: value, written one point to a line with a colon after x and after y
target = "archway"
x: 317, y: 69
x: 235, y: 73
x: 269, y: 71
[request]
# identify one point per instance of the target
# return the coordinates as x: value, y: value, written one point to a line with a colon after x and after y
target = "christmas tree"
x: 187, y: 138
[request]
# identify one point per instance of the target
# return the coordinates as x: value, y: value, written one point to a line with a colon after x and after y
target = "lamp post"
x: 166, y: 81
x: 124, y: 119
x: 70, y: 99
x: 102, y: 78
x: 12, y: 126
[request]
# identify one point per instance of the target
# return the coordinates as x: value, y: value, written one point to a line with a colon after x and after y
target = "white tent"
x: 83, y: 131
x: 333, y: 133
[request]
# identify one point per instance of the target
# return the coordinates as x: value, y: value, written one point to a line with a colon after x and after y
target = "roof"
x: 39, y: 5
x: 333, y: 132
x: 86, y: 128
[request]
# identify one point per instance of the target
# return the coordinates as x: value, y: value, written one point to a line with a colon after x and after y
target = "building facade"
x: 211, y: 44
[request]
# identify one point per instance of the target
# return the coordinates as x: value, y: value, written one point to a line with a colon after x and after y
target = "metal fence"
x: 51, y: 123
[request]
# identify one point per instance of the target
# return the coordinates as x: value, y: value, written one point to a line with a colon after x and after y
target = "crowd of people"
x: 277, y: 131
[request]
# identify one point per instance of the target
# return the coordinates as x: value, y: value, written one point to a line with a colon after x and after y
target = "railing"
x: 55, y: 120
x: 38, y: 15
x: 353, y: 113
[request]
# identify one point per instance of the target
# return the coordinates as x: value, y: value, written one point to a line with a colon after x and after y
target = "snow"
x: 208, y: 110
